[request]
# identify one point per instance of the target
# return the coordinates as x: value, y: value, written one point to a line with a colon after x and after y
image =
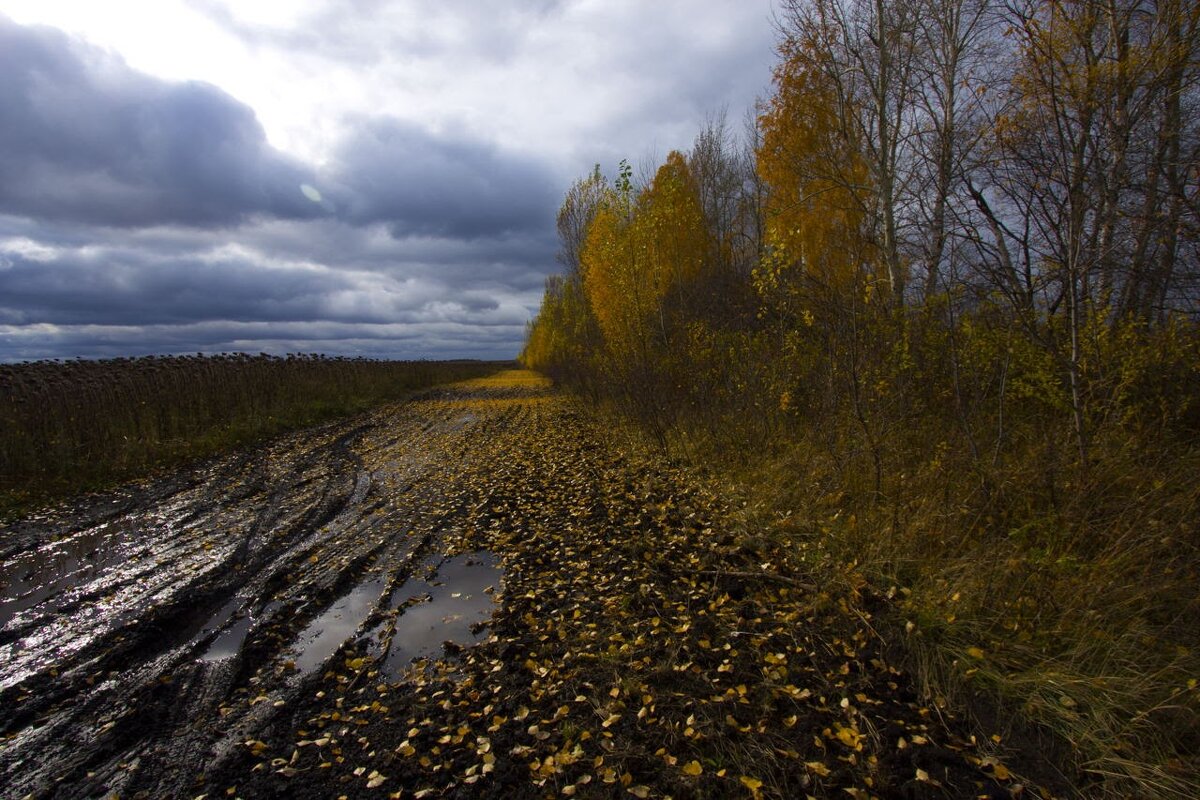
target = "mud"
x: 133, y: 622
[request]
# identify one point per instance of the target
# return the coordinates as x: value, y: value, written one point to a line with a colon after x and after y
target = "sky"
x: 349, y: 177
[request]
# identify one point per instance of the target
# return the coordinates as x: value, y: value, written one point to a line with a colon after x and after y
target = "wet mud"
x: 135, y: 624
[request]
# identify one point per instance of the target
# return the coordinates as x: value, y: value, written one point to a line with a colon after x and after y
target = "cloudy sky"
x: 374, y: 177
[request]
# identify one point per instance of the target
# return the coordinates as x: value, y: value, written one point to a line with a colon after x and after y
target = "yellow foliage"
x: 815, y: 209
x: 639, y: 251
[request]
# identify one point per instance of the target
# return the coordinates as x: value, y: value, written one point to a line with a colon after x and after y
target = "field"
x: 67, y: 426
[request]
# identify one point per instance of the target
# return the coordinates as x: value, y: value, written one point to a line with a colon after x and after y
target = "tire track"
x: 103, y: 667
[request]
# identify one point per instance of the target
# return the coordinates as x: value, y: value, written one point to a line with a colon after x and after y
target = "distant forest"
x: 937, y: 306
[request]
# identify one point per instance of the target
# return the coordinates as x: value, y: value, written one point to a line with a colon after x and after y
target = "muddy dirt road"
x: 580, y: 621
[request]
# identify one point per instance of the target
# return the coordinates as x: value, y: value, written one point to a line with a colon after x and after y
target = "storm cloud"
x: 449, y: 185
x: 90, y: 140
x: 369, y: 177
x: 231, y: 284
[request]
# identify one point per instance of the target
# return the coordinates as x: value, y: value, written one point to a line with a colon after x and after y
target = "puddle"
x: 325, y: 634
x: 450, y: 606
x: 361, y: 484
x: 229, y: 642
x: 463, y: 421
x: 34, y: 576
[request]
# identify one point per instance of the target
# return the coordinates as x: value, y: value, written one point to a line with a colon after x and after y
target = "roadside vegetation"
x: 639, y: 647
x: 71, y: 426
x: 934, y: 317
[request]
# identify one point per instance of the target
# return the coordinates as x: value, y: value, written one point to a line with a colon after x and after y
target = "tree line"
x: 950, y: 274
x: 1032, y: 163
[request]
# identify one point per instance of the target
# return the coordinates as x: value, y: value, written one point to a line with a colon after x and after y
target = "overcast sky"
x: 374, y: 177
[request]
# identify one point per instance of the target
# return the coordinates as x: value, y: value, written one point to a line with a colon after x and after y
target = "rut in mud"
x: 580, y: 621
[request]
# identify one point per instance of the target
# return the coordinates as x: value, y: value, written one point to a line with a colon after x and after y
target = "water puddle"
x: 361, y: 484
x: 463, y: 421
x: 325, y: 634
x: 450, y: 606
x: 31, y: 577
x: 229, y: 641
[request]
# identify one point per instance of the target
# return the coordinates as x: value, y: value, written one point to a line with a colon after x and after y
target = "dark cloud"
x: 88, y: 139
x: 449, y: 185
x: 164, y: 291
x: 85, y: 138
x: 152, y: 288
x: 139, y: 215
x: 431, y: 341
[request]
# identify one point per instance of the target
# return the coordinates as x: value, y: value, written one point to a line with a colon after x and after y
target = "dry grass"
x: 77, y: 425
x: 1065, y: 604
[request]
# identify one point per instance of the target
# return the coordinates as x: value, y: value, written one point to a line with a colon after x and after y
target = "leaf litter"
x: 641, y: 647
x: 520, y: 606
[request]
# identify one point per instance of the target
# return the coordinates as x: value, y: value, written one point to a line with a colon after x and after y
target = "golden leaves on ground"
x: 636, y: 648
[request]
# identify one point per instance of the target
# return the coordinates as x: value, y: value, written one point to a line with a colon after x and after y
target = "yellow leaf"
x: 640, y: 792
x: 753, y: 784
x: 848, y: 737
x: 975, y: 652
x: 817, y: 768
x: 692, y: 768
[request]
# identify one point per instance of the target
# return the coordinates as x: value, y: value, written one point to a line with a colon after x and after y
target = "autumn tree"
x: 564, y: 340
x: 817, y: 178
x: 575, y: 217
x: 866, y: 52
x: 1081, y: 190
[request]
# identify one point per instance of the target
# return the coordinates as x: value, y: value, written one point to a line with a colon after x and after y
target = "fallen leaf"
x: 753, y: 784
x: 848, y: 737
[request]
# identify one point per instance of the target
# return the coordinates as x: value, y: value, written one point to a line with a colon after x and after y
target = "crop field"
x: 66, y: 426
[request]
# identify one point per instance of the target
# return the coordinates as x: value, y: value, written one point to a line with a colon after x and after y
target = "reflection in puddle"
x: 451, y: 606
x: 34, y: 576
x: 229, y: 642
x: 325, y: 634
x: 463, y: 421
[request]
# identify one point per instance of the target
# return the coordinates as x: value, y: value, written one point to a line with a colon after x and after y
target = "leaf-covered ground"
x: 642, y: 646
